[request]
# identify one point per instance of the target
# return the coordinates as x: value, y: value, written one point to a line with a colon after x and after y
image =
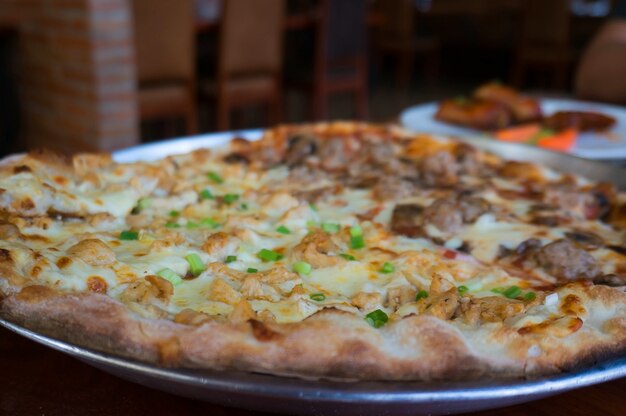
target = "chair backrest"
x: 251, y: 37
x: 164, y: 40
x: 343, y: 29
x: 546, y: 22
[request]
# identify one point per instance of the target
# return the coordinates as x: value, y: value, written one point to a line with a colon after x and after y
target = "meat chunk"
x: 299, y: 147
x: 405, y: 220
x: 450, y: 213
x: 315, y: 249
x: 440, y: 169
x: 392, y: 188
x: 476, y: 113
x: 93, y: 252
x: 580, y: 120
x: 566, y: 261
x: 334, y: 154
x: 586, y: 203
x: 444, y: 214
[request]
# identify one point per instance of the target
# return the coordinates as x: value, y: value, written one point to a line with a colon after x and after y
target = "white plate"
x: 609, y: 145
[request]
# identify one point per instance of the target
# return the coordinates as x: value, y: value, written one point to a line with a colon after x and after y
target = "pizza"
x: 332, y: 250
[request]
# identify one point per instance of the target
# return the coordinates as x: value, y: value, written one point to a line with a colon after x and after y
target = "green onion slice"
x: 173, y: 213
x: 171, y: 276
x: 196, y: 266
x: 283, y: 230
x: 230, y: 198
x: 269, y: 255
x: 387, y: 268
x: 462, y: 289
x: 209, y: 222
x: 191, y: 224
x: 318, y: 297
x: 347, y: 256
x: 230, y: 259
x: 252, y: 270
x: 530, y: 296
x: 377, y: 318
x: 205, y: 194
x: 129, y: 235
x: 330, y: 228
x: 357, y: 242
x: 171, y: 224
x: 302, y: 267
x: 215, y: 177
x: 142, y: 204
x: 422, y: 294
x: 512, y: 292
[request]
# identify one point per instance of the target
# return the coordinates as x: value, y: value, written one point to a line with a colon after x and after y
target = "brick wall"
x: 77, y: 76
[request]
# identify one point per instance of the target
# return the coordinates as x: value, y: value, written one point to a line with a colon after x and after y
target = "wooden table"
x: 35, y: 380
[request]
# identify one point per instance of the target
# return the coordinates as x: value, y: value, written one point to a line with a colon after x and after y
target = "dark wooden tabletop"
x: 35, y: 380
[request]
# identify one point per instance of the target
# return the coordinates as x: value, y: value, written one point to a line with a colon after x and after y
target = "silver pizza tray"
x: 307, y: 397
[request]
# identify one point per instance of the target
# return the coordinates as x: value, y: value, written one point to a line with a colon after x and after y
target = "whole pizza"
x: 338, y: 250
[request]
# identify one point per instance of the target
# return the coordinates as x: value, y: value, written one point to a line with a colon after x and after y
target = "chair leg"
x: 223, y: 114
x: 360, y: 103
x: 191, y: 120
x: 319, y: 104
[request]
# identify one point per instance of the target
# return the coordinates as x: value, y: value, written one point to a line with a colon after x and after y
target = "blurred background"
x: 106, y: 74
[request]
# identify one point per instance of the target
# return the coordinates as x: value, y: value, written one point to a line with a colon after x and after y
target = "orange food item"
x: 518, y: 134
x: 562, y: 141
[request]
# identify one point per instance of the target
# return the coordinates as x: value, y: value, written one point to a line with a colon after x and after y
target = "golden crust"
x: 330, y: 343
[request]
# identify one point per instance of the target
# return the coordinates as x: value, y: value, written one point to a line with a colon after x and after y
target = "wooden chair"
x: 165, y: 58
x: 398, y: 37
x: 249, y: 60
x: 340, y: 63
x: 545, y: 41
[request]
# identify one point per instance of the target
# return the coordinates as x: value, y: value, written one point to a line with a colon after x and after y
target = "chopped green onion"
x: 512, y: 292
x: 387, y: 268
x: 252, y: 270
x: 173, y: 213
x: 357, y: 242
x: 311, y: 224
x: 318, y: 297
x: 191, y: 224
x: 330, y: 227
x: 243, y: 206
x: 171, y: 276
x: 302, y: 267
x: 206, y: 194
x: 196, y: 266
x: 356, y: 231
x: 171, y: 224
x: 283, y: 230
x: 462, y: 289
x: 269, y: 255
x: 209, y: 222
x: 142, y: 204
x: 530, y: 296
x: 377, y: 318
x: 498, y: 289
x: 356, y: 237
x: 129, y: 235
x: 312, y: 206
x: 215, y: 177
x: 422, y: 294
x: 230, y: 259
x: 347, y: 256
x: 230, y: 198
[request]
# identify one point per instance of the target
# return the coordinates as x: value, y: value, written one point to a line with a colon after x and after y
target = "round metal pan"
x: 308, y: 397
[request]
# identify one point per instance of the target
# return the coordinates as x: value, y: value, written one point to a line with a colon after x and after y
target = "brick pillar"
x: 77, y: 74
